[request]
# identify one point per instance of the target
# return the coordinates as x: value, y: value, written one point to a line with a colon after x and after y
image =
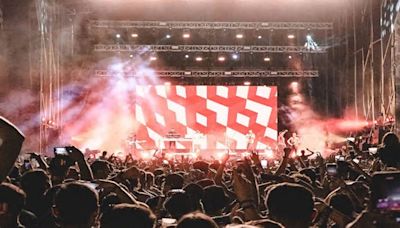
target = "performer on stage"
x: 294, y: 142
x: 250, y: 136
x: 133, y: 144
x: 282, y: 140
x: 197, y: 139
x: 172, y: 143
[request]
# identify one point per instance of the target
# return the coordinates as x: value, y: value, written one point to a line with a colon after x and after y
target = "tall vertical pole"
x: 371, y: 46
x: 382, y: 66
x: 355, y: 59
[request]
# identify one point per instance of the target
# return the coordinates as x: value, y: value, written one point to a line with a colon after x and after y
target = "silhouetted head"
x: 390, y: 139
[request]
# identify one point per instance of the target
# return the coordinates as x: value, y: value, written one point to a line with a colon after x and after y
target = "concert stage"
x: 204, y: 118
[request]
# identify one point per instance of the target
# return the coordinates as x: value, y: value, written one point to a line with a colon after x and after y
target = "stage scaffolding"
x: 55, y: 29
x: 218, y: 74
x: 370, y: 58
x: 211, y: 25
x: 207, y: 48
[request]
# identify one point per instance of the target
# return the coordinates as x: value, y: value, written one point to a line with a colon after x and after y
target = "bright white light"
x: 186, y: 56
x: 186, y: 35
x: 221, y: 58
x: 245, y: 154
x: 290, y: 36
x: 199, y: 59
x: 153, y: 58
x: 235, y: 56
x: 146, y: 155
x: 247, y: 83
x: 134, y: 35
x: 259, y: 37
x: 168, y: 36
x: 267, y: 59
x: 220, y: 155
x: 294, y: 86
x: 130, y: 56
x: 193, y: 155
x: 310, y: 43
x: 118, y: 35
x: 290, y: 57
x: 239, y: 36
x: 167, y: 83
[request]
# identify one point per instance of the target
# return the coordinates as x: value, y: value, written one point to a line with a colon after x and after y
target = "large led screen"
x: 219, y: 117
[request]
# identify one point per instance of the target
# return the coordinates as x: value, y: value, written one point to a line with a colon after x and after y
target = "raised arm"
x: 220, y: 171
x: 11, y: 140
x: 84, y: 168
x: 42, y: 164
x: 284, y: 162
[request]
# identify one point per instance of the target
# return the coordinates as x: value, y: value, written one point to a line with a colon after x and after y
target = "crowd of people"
x: 344, y: 189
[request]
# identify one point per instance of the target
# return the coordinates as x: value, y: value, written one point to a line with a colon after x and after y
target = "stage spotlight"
x: 221, y: 58
x: 294, y: 86
x: 168, y: 36
x: 239, y: 36
x: 186, y: 35
x: 290, y: 36
x: 131, y: 56
x: 290, y: 57
x: 259, y: 37
x: 267, y: 59
x: 118, y: 35
x: 153, y: 58
x: 247, y: 83
x: 186, y: 56
x: 134, y: 35
x: 310, y: 43
x: 199, y: 59
x: 235, y: 56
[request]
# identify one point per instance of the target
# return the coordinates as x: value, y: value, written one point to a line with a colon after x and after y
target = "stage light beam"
x: 291, y: 36
x: 239, y: 36
x: 310, y: 43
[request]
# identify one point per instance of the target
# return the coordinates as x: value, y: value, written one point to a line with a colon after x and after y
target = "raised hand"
x: 75, y: 154
x: 244, y: 188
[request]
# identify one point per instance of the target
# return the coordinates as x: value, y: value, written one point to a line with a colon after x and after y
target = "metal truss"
x: 216, y: 74
x: 206, y: 48
x: 211, y: 25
